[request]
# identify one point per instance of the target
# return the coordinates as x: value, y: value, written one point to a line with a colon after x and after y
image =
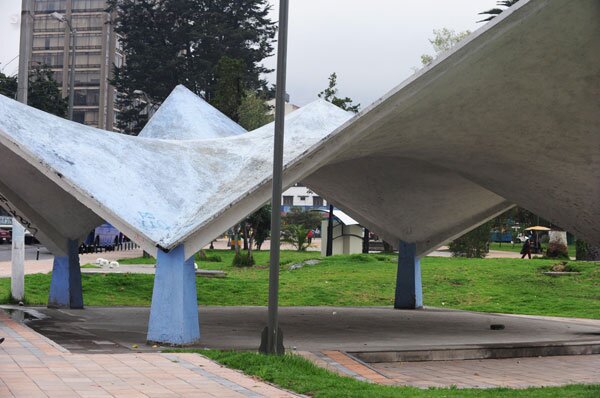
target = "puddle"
x: 23, y: 314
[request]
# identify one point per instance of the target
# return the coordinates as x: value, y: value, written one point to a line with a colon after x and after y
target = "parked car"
x: 5, y: 236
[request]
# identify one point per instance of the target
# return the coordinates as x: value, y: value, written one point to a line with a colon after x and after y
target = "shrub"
x: 586, y: 252
x: 557, y: 250
x: 202, y: 256
x: 243, y: 259
x: 473, y: 244
x: 296, y: 235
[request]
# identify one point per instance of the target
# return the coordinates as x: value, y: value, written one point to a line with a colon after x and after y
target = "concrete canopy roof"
x: 509, y: 116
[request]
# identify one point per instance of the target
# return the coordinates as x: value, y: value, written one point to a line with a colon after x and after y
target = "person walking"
x: 309, y: 236
x: 526, y: 249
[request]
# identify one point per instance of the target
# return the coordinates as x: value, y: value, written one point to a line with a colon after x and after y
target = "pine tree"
x: 170, y: 42
x: 43, y: 92
x: 330, y: 95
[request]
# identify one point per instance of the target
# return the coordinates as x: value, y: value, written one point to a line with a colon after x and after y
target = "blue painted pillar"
x: 174, y: 309
x: 65, y: 287
x: 409, y: 292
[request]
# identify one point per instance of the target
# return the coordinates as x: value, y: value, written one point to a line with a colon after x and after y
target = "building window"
x: 303, y: 198
x: 317, y: 201
x: 88, y: 5
x: 79, y: 116
x: 288, y: 200
x: 87, y: 22
x: 50, y: 42
x: 87, y: 59
x: 50, y: 5
x: 54, y: 60
x: 87, y: 78
x: 87, y: 97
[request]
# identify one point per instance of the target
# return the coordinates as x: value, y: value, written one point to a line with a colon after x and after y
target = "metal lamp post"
x: 272, y: 338
x: 61, y: 18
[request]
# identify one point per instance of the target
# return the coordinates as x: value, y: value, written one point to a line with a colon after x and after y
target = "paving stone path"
x: 33, y: 366
x: 487, y: 373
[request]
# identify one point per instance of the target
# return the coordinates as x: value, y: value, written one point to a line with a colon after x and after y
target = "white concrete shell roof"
x: 185, y: 116
x: 509, y: 117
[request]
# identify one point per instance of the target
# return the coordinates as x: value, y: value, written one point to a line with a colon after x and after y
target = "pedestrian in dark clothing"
x: 526, y: 250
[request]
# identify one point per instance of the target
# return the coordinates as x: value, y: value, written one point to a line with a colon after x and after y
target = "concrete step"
x: 482, y: 351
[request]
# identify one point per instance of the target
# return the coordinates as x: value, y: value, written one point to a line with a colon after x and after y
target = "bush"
x: 202, y: 256
x: 243, y: 259
x: 557, y: 250
x: 563, y: 266
x: 297, y: 236
x: 474, y: 244
x: 586, y: 252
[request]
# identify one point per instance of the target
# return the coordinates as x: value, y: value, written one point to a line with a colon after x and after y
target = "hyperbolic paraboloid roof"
x: 509, y: 117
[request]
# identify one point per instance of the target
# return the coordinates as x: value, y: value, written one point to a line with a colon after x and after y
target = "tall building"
x: 96, y: 50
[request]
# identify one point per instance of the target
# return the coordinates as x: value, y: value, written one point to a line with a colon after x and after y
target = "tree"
x: 8, y: 86
x: 473, y: 244
x: 443, y: 40
x: 330, y: 95
x: 43, y: 92
x: 307, y: 219
x: 296, y: 224
x: 297, y: 235
x: 229, y: 88
x: 496, y: 11
x: 170, y: 42
x: 253, y: 111
x: 258, y: 226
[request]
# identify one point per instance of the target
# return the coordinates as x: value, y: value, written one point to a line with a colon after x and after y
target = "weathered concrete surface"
x: 318, y: 328
x: 440, y: 154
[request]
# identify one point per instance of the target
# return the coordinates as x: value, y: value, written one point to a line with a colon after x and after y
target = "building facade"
x: 301, y: 196
x: 96, y: 50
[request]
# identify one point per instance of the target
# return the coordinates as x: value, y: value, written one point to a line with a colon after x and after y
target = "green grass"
x: 488, y: 285
x: 222, y: 259
x: 297, y: 374
x: 516, y: 248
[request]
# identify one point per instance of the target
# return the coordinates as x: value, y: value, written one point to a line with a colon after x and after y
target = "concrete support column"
x: 65, y: 287
x: 174, y: 309
x: 17, y: 278
x: 409, y: 292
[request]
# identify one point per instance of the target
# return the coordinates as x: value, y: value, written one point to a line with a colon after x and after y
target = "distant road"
x: 30, y: 252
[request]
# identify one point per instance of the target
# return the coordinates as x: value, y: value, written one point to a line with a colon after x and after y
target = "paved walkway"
x: 32, y: 366
x: 487, y: 373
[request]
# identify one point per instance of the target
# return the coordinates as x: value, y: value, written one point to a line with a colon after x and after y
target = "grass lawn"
x: 516, y: 247
x: 489, y: 285
x: 297, y: 374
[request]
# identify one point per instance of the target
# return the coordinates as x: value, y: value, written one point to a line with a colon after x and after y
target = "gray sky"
x: 371, y: 44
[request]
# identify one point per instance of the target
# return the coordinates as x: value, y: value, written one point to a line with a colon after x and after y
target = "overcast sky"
x: 371, y: 44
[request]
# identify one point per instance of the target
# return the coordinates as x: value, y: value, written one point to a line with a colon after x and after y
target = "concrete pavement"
x: 350, y: 329
x: 329, y: 336
x: 32, y: 366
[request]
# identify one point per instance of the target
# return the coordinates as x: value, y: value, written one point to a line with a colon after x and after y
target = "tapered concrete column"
x: 174, y: 309
x: 409, y: 292
x: 65, y: 287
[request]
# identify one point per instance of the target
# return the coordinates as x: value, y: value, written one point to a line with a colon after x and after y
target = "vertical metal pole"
x: 329, y: 249
x: 17, y: 283
x: 25, y: 46
x: 273, y: 323
x: 72, y: 71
